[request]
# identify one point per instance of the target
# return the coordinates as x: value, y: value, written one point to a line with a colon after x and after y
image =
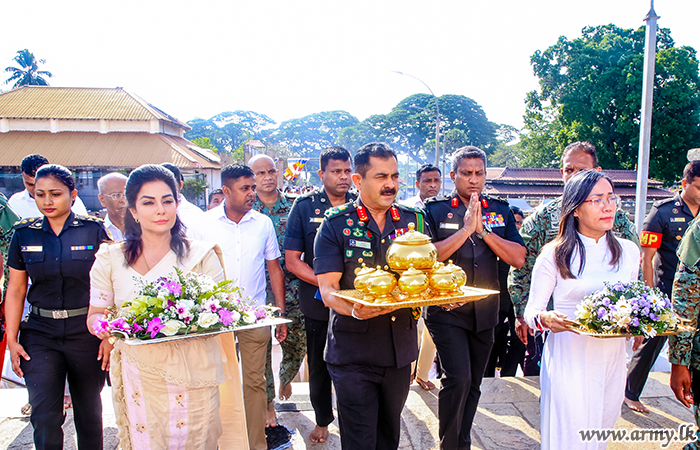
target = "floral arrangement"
x: 182, y: 304
x: 627, y: 308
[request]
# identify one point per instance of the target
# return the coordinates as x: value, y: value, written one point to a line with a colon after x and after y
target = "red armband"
x: 650, y: 239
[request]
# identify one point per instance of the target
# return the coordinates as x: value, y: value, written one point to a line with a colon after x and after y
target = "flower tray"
x: 580, y: 329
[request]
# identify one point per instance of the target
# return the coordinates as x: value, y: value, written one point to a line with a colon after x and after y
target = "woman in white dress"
x: 582, y: 378
x: 183, y: 394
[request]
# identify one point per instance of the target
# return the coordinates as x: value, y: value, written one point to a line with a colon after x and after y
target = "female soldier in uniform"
x: 57, y: 251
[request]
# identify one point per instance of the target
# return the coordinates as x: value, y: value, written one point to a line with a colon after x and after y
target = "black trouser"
x: 508, y: 351
x: 370, y: 400
x: 320, y: 384
x: 464, y: 355
x: 641, y: 363
x: 533, y: 354
x: 52, y: 360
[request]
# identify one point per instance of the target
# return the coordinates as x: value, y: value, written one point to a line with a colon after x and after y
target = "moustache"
x: 386, y: 191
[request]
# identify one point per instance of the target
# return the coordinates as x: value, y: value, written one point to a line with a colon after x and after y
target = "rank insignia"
x: 449, y: 215
x: 394, y: 214
x: 349, y: 222
x: 362, y: 214
x: 484, y: 203
x: 349, y: 253
x: 367, y: 253
x: 318, y: 211
x: 455, y: 202
x: 346, y: 231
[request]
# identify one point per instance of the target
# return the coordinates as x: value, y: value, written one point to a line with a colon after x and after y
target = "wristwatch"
x: 282, y: 314
x: 487, y: 230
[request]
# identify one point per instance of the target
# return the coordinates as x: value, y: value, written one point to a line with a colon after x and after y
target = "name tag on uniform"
x: 32, y: 248
x: 449, y: 226
x: 361, y: 244
x: 677, y: 219
x: 82, y: 247
x: 315, y: 219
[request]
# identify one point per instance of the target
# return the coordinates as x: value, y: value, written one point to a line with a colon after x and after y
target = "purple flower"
x: 136, y: 327
x: 653, y: 316
x: 171, y: 303
x: 174, y: 288
x: 601, y: 312
x: 101, y: 325
x: 120, y: 325
x: 606, y: 301
x: 259, y: 314
x: 618, y: 286
x: 154, y: 326
x: 226, y: 316
x: 634, y: 322
x: 188, y: 319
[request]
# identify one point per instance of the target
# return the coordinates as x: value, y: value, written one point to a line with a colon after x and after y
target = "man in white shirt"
x: 23, y: 203
x: 111, y: 189
x: 428, y: 182
x: 189, y: 214
x: 248, y: 241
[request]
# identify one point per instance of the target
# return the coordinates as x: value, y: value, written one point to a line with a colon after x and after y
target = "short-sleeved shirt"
x: 305, y: 217
x: 446, y: 217
x: 246, y: 246
x: 59, y: 266
x: 347, y: 238
x: 663, y: 230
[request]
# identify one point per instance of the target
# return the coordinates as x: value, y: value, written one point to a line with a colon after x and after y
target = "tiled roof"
x: 48, y: 102
x: 553, y: 176
x: 551, y: 191
x: 128, y: 150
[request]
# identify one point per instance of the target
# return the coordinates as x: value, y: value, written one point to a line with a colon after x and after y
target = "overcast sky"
x: 291, y: 58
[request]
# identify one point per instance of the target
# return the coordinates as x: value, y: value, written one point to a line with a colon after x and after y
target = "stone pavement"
x: 508, y: 418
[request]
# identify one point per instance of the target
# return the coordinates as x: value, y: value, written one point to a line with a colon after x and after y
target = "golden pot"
x: 411, y: 249
x: 459, y: 274
x: 412, y: 282
x: 380, y: 285
x: 443, y: 281
x: 361, y: 278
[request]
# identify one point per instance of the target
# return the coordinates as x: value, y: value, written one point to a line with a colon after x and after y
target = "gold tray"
x: 578, y: 328
x: 469, y: 294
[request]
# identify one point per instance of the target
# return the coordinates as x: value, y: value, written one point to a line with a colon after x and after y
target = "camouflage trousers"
x: 696, y: 444
x: 293, y: 348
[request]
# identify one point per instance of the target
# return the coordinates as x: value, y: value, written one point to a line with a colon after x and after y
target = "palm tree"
x: 28, y: 73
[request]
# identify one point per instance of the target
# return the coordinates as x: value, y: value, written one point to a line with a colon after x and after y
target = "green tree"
x: 205, y: 142
x: 230, y: 130
x: 591, y: 88
x: 28, y: 72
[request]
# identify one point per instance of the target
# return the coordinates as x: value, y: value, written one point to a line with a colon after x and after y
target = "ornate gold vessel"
x: 459, y: 274
x: 412, y: 282
x: 380, y: 284
x: 362, y: 276
x: 443, y: 280
x: 411, y: 249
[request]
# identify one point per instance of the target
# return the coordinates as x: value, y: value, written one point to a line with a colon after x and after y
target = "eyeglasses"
x: 599, y: 202
x: 117, y: 196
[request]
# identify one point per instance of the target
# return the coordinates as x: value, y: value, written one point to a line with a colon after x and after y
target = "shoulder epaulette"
x: 337, y: 210
x: 497, y: 199
x: 437, y: 198
x: 664, y: 201
x: 308, y: 195
x: 24, y: 223
x: 89, y: 218
x: 414, y: 209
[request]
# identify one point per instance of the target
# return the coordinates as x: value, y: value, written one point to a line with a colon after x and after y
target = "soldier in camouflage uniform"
x: 7, y: 219
x: 684, y: 349
x: 542, y: 227
x: 294, y: 347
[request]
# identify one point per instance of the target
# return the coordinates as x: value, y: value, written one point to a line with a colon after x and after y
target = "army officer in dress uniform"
x: 369, y: 350
x: 474, y: 231
x: 57, y: 251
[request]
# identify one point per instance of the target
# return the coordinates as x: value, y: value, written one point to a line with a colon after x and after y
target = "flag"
x: 294, y: 167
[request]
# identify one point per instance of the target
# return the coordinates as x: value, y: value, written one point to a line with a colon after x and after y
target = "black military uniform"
x: 369, y: 360
x: 55, y: 333
x: 663, y: 229
x: 304, y: 219
x: 464, y: 336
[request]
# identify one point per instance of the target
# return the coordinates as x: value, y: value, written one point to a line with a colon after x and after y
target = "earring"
x: 136, y: 220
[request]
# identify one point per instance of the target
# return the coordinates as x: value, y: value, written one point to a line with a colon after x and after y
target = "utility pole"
x: 645, y: 126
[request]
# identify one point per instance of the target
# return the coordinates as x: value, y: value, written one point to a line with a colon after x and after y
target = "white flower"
x: 211, y: 305
x: 207, y: 319
x: 248, y: 317
x: 172, y: 327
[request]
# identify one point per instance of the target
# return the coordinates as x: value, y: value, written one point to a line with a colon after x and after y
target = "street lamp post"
x: 437, y: 116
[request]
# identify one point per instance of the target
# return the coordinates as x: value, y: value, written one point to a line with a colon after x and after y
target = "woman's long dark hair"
x: 133, y: 245
x: 576, y: 192
x: 58, y: 172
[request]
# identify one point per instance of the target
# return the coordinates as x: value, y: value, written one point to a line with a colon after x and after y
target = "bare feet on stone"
x: 636, y: 406
x: 319, y: 435
x: 271, y: 419
x: 285, y: 391
x: 425, y: 384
